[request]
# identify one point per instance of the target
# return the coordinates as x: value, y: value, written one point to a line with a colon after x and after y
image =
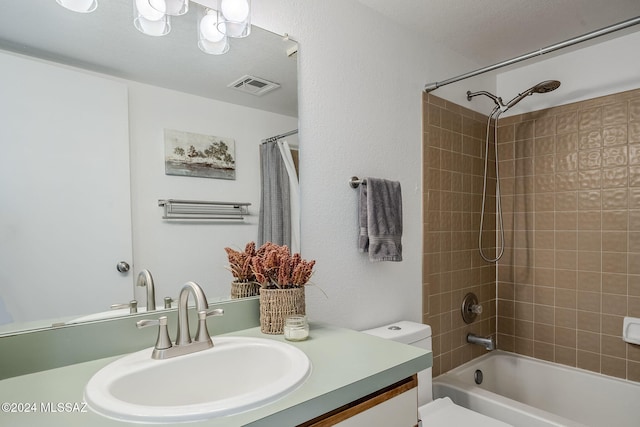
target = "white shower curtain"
x: 294, y: 194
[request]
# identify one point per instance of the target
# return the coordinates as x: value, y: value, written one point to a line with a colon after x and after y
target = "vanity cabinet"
x: 396, y: 405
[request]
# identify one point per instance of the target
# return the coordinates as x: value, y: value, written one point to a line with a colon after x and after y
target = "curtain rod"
x: 277, y: 137
x: 588, y: 36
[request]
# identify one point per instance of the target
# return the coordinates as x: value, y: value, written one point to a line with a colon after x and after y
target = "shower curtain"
x: 279, y: 220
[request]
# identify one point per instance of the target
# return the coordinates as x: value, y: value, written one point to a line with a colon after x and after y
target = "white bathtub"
x: 527, y: 392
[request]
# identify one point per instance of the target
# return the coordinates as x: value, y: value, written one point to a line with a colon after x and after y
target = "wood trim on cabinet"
x: 367, y: 402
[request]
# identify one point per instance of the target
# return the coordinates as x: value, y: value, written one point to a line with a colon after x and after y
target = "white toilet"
x: 440, y: 412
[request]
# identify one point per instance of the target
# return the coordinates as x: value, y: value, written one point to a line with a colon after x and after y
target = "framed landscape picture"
x: 205, y: 156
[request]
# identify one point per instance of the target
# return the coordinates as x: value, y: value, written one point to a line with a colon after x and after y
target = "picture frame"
x: 197, y: 155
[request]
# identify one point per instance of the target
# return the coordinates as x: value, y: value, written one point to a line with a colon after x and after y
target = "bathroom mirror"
x: 160, y: 83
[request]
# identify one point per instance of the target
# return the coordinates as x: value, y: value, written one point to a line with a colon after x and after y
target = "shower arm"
x: 500, y: 105
x: 496, y: 99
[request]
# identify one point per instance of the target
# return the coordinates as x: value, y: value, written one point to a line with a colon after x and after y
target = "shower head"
x: 546, y: 86
x: 542, y: 87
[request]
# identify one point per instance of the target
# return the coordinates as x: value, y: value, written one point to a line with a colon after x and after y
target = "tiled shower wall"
x: 570, y: 179
x: 453, y: 169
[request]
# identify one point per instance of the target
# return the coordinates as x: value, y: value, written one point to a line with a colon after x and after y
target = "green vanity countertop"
x: 346, y: 365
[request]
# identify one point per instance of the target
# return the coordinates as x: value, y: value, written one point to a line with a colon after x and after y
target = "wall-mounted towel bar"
x: 355, y: 182
x: 202, y: 210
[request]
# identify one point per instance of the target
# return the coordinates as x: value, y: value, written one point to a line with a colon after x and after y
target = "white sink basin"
x: 236, y: 375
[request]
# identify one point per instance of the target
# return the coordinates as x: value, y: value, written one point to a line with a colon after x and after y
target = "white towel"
x: 380, y: 219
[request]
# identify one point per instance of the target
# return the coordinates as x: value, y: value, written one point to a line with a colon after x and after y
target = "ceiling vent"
x: 253, y: 85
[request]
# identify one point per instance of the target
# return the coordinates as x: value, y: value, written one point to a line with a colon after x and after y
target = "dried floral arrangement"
x: 240, y: 263
x: 275, y: 268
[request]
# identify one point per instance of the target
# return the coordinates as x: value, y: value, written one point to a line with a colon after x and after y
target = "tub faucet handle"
x: 470, y: 308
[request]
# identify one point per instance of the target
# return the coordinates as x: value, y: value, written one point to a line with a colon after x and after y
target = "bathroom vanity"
x: 354, y: 378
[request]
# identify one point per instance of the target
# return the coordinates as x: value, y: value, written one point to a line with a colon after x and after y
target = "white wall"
x: 177, y: 252
x: 360, y: 87
x: 601, y: 69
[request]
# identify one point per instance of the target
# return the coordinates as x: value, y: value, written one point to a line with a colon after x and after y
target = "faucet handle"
x: 476, y: 308
x: 168, y: 302
x: 214, y: 312
x: 131, y: 305
x: 164, y: 341
x: 202, y: 334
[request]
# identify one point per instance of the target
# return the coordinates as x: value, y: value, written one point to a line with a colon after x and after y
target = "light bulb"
x: 81, y: 6
x: 235, y: 10
x: 214, y: 48
x: 210, y: 39
x: 151, y: 13
x: 209, y: 27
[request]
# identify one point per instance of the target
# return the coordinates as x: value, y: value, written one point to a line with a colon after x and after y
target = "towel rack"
x: 355, y: 182
x: 203, y: 210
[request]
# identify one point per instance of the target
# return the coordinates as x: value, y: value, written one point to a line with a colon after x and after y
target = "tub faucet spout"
x: 487, y: 343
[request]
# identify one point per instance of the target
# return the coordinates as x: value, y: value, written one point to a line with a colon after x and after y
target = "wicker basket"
x: 244, y: 289
x: 276, y: 305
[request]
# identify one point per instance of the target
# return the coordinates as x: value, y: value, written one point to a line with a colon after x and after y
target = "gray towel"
x: 380, y: 219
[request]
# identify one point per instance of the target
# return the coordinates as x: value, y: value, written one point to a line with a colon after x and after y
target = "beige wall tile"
x: 615, y: 135
x: 614, y: 366
x: 614, y: 346
x: 589, y: 361
x: 588, y: 341
x: 543, y: 350
x: 566, y: 337
x: 618, y: 177
x: 612, y: 325
x: 452, y: 195
x: 614, y: 113
x: 590, y: 118
x: 570, y: 179
x: 589, y: 301
x: 566, y: 356
x: 588, y: 321
x: 567, y: 122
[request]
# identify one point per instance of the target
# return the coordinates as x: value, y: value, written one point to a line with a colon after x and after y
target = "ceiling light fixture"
x: 217, y: 19
x: 235, y: 17
x: 210, y: 39
x: 149, y: 20
x: 81, y: 6
x: 170, y: 7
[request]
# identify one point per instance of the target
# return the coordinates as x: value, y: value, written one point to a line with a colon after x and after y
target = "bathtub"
x: 527, y: 392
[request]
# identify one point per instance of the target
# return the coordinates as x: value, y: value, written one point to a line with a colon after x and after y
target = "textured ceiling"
x: 490, y: 31
x: 485, y: 31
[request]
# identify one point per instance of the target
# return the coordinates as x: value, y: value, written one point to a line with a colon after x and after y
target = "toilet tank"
x: 415, y: 334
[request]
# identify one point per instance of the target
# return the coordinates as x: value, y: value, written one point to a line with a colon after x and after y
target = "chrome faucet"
x: 164, y: 349
x: 184, y: 336
x: 488, y: 343
x: 145, y: 279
